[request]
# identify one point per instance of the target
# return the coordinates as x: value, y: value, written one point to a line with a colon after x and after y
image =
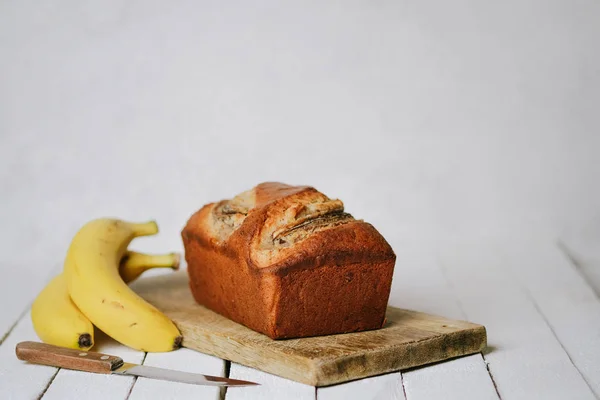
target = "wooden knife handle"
x: 47, y: 354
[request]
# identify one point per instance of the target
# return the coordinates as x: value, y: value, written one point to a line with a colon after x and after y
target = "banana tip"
x: 85, y: 341
x: 176, y: 261
x: 177, y: 342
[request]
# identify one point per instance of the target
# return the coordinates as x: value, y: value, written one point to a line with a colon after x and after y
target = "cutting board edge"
x: 324, y: 378
x: 464, y: 323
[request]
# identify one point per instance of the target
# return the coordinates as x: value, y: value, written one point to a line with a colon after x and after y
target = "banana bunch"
x: 92, y: 290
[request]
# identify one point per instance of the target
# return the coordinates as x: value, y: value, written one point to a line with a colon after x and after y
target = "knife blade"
x: 89, y: 361
x: 178, y: 376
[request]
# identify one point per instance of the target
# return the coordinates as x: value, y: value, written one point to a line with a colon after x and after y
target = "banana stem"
x: 134, y: 264
x: 144, y: 228
x: 133, y: 259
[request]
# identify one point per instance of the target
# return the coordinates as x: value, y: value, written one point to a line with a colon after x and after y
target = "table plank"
x: 463, y: 378
x: 567, y: 301
x: 272, y: 386
x: 383, y: 387
x: 83, y: 385
x: 182, y: 360
x: 420, y: 284
x: 526, y: 359
x: 18, y: 379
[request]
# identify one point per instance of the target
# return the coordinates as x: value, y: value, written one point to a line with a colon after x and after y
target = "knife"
x: 89, y: 361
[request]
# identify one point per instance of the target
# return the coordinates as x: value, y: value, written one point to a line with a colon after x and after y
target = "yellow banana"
x: 58, y: 321
x: 92, y: 273
x: 134, y: 264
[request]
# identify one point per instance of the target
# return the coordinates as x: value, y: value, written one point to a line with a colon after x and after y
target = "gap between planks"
x: 487, y: 367
x: 461, y: 308
x: 48, y: 384
x: 537, y: 307
x: 577, y: 266
x: 403, y: 386
x: 223, y: 389
x: 585, y: 306
x: 585, y: 278
x: 13, y: 326
x: 135, y: 378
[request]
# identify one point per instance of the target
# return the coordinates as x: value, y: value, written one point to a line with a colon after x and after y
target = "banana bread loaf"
x: 288, y: 262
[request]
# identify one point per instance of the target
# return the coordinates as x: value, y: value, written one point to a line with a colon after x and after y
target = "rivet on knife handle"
x: 47, y: 354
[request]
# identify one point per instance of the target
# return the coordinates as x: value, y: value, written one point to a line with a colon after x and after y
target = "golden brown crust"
x: 289, y: 262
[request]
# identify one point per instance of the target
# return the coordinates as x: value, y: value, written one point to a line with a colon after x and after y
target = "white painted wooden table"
x: 430, y: 119
x: 543, y: 321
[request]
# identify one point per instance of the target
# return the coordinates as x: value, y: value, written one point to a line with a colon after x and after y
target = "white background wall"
x: 428, y: 118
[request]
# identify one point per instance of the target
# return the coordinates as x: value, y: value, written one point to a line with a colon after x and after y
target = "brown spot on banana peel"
x: 132, y: 325
x: 117, y: 305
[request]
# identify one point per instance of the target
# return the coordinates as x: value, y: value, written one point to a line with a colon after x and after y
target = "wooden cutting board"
x: 408, y: 339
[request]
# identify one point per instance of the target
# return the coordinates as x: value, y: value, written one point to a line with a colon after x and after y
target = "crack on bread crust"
x: 297, y: 217
x: 300, y: 213
x: 289, y: 236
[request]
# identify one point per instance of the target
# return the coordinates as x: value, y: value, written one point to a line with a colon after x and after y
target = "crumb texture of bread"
x: 288, y: 261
